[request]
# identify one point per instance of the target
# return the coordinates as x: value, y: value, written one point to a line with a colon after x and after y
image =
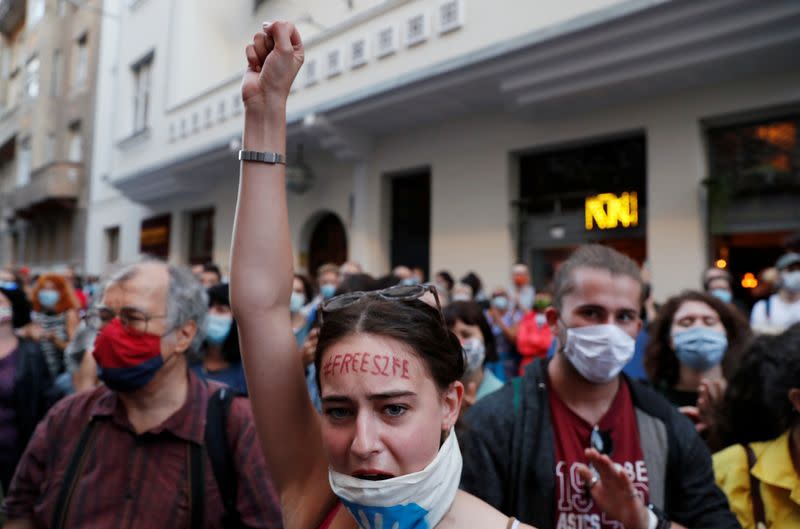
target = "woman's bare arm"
x: 261, y: 284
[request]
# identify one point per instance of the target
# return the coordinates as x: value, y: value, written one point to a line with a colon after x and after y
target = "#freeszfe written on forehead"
x: 386, y: 365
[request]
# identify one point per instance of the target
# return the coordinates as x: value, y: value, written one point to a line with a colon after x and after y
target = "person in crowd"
x: 504, y: 321
x: 444, y: 282
x: 462, y: 292
x: 55, y: 318
x: 782, y: 309
x: 478, y: 295
x: 197, y: 272
x: 210, y: 275
x: 350, y: 268
x: 302, y: 294
x: 383, y: 452
x: 574, y: 443
x: 403, y: 273
x: 759, y: 421
x: 24, y: 382
x: 719, y: 283
x: 419, y: 275
x: 466, y: 320
x: 144, y: 461
x: 534, y: 338
x: 522, y: 289
x: 76, y: 281
x: 221, y: 360
x: 328, y: 279
x: 696, y: 341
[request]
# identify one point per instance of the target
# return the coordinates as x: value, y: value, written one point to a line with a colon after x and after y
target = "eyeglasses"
x: 395, y: 293
x: 134, y: 320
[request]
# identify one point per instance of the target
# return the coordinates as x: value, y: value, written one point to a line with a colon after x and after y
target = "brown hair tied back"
x: 413, y: 323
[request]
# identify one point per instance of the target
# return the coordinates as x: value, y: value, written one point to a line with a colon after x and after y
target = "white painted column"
x: 365, y: 241
x: 676, y: 230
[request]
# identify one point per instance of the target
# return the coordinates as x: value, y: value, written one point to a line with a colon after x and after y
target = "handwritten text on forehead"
x: 373, y: 364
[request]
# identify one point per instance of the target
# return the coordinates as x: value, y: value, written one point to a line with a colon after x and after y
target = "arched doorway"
x: 328, y: 243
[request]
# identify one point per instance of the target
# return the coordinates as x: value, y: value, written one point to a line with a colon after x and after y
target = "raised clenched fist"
x: 273, y: 60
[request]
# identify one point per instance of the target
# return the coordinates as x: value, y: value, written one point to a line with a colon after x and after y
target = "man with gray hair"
x: 154, y: 446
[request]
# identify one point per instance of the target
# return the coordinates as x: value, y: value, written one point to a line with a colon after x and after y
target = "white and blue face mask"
x: 414, y: 501
x: 327, y: 291
x: 700, y: 348
x: 297, y: 302
x: 218, y: 326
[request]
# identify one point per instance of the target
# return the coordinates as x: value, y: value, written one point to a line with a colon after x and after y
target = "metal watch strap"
x: 271, y: 158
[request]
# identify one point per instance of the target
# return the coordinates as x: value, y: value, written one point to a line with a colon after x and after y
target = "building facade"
x: 461, y: 134
x: 47, y: 76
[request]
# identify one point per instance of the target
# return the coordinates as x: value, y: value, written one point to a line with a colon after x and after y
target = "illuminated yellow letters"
x: 607, y: 211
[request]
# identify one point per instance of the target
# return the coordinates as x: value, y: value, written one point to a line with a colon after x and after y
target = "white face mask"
x: 541, y: 319
x: 791, y: 281
x: 599, y: 352
x: 474, y: 354
x: 414, y: 501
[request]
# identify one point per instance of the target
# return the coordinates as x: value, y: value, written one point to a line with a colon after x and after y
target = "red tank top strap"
x: 331, y: 515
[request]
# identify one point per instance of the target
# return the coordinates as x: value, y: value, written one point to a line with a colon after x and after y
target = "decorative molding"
x: 334, y: 63
x: 386, y: 41
x: 450, y: 15
x: 417, y: 29
x: 137, y: 138
x: 359, y: 53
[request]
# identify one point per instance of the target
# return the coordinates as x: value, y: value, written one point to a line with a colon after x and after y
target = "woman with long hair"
x: 55, y: 318
x: 383, y: 452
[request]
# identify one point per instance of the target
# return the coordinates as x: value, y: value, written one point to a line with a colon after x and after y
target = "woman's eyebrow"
x: 391, y: 395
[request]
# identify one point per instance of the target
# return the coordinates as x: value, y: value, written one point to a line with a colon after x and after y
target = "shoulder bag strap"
x: 755, y: 491
x: 221, y: 455
x: 197, y: 485
x: 70, y: 479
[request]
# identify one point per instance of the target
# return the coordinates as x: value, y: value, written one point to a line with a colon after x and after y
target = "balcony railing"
x: 57, y: 185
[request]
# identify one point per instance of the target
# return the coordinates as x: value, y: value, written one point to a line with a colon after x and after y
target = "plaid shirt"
x: 137, y: 481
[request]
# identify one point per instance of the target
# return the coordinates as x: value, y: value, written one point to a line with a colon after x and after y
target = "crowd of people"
x: 167, y: 397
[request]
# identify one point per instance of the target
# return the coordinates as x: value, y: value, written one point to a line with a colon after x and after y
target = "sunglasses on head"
x: 395, y: 293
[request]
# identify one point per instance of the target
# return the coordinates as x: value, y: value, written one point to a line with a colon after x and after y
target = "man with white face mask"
x: 575, y: 443
x: 782, y: 309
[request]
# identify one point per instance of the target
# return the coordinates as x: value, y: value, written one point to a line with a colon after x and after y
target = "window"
x: 416, y: 30
x: 75, y: 142
x: 451, y: 15
x: 81, y: 60
x: 24, y: 164
x: 141, y: 92
x: 154, y: 236
x: 201, y: 236
x: 112, y: 244
x: 334, y: 63
x: 58, y: 73
x: 311, y: 72
x: 32, y: 78
x: 358, y: 53
x: 386, y: 42
x: 36, y: 11
x: 50, y: 148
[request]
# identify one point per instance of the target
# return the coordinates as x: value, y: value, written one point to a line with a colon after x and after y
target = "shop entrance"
x: 593, y: 192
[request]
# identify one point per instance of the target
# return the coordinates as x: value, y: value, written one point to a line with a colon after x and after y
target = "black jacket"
x: 32, y: 386
x: 508, y: 447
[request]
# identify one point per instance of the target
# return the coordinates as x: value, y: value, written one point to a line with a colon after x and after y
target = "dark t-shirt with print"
x: 575, y: 508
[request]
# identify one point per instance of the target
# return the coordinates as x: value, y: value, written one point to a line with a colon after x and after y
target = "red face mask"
x: 127, y: 361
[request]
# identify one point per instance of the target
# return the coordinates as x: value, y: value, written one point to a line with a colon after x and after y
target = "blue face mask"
x: 327, y: 291
x: 409, y: 281
x: 700, y: 348
x: 726, y: 296
x: 48, y: 297
x: 500, y: 302
x: 297, y: 301
x: 218, y: 327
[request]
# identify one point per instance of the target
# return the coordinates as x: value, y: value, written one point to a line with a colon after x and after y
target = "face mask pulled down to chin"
x: 598, y: 352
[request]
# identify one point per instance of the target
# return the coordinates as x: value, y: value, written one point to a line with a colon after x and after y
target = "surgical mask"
x: 791, y: 281
x: 127, y: 361
x: 474, y: 354
x: 327, y: 291
x: 414, y: 501
x: 598, y: 352
x: 462, y: 297
x: 500, y: 302
x: 726, y: 296
x: 48, y: 297
x: 409, y: 281
x: 700, y: 348
x: 218, y: 327
x: 541, y: 319
x: 6, y: 315
x: 297, y: 301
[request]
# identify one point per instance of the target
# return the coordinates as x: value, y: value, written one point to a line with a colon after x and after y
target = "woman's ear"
x: 451, y: 404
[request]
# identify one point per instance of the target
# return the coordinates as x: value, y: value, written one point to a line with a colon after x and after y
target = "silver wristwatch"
x: 271, y: 158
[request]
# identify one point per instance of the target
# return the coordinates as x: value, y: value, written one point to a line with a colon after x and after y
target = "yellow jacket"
x: 780, y: 484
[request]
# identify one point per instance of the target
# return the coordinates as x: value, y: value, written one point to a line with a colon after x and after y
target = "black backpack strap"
x: 221, y: 455
x: 197, y: 485
x: 70, y: 479
x: 759, y: 516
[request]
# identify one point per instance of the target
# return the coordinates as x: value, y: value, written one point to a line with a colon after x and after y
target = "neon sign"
x: 608, y: 211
